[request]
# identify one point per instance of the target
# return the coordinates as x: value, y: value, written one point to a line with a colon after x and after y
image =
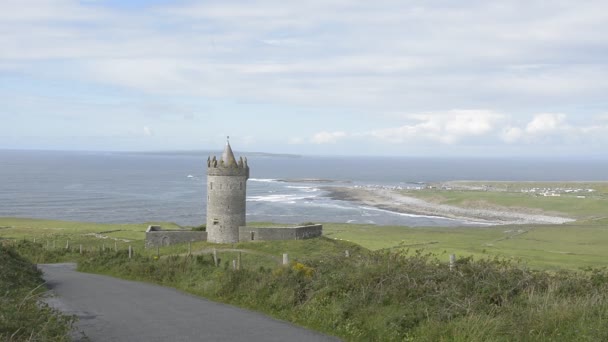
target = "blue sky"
x: 464, y: 78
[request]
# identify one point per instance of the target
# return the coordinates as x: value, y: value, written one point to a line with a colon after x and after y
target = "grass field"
x: 370, y: 296
x: 548, y: 247
x: 509, y: 194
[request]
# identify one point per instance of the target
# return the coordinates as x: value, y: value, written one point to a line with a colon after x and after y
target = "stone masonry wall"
x: 226, y: 207
x: 161, y: 238
x: 279, y: 233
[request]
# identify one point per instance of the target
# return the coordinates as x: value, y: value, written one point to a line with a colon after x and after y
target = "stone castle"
x: 226, y: 210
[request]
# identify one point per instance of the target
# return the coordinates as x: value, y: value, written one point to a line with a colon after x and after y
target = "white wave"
x: 423, y: 216
x: 276, y: 198
x: 263, y: 180
x: 331, y: 206
x: 303, y: 188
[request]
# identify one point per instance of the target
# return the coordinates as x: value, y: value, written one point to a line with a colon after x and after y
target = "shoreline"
x: 390, y: 200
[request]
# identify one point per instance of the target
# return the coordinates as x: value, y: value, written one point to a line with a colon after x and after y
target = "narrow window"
x: 211, y: 185
x: 216, y: 222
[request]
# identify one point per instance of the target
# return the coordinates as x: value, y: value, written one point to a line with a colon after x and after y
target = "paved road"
x: 111, y: 309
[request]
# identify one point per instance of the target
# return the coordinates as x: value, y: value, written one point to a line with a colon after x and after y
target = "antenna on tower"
x: 228, y: 139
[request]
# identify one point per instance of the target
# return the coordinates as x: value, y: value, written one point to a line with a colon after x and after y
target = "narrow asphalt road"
x: 111, y: 309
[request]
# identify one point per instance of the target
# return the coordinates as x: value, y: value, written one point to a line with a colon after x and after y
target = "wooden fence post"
x: 285, y: 259
x: 233, y: 264
x: 80, y: 248
x: 346, y: 253
x: 130, y: 251
x: 452, y: 261
x: 215, y: 257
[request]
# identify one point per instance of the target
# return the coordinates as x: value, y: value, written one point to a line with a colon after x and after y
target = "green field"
x: 406, y: 294
x: 570, y: 246
x: 509, y: 194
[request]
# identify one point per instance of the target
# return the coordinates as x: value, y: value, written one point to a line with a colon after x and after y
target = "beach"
x: 393, y: 200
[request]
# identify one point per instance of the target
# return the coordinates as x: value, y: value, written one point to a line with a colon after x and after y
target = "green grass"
x: 569, y: 246
x: 404, y: 294
x: 508, y: 194
x: 23, y: 317
x: 546, y: 247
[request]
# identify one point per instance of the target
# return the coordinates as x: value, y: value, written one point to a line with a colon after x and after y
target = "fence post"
x: 103, y: 247
x: 157, y: 252
x: 81, y: 249
x: 452, y: 261
x: 115, y: 246
x: 285, y: 259
x: 215, y: 257
x: 34, y: 240
x: 233, y: 264
x: 346, y: 253
x: 130, y: 251
x: 67, y: 244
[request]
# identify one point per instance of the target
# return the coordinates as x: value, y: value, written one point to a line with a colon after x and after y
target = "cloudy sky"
x: 455, y: 78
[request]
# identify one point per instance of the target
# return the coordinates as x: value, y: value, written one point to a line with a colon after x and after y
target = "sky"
x: 321, y: 77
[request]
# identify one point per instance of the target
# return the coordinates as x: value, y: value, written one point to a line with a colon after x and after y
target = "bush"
x: 23, y: 317
x: 201, y: 228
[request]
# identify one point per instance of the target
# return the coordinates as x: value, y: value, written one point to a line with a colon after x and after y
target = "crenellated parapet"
x: 219, y: 167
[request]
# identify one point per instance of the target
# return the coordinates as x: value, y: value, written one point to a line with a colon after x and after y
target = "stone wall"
x: 279, y: 233
x: 156, y: 237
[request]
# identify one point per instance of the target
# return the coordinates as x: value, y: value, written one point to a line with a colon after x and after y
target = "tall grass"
x: 23, y: 317
x: 384, y: 296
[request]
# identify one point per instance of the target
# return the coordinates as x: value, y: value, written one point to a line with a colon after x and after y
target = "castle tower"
x: 226, y: 196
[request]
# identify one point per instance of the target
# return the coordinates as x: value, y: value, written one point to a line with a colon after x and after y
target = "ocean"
x: 118, y: 187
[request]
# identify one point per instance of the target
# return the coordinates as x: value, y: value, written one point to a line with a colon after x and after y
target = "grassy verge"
x: 22, y: 316
x: 382, y: 296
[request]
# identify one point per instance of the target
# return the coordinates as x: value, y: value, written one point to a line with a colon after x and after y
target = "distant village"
x: 539, y: 191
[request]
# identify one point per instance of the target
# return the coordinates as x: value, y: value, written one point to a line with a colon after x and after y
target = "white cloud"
x: 554, y: 128
x: 337, y: 55
x: 446, y: 127
x: 512, y: 134
x: 546, y: 123
x: 327, y: 137
x: 147, y: 131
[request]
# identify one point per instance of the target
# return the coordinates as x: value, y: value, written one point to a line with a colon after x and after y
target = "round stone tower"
x: 226, y: 196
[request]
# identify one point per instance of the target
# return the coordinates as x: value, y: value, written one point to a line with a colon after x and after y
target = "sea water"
x: 117, y: 187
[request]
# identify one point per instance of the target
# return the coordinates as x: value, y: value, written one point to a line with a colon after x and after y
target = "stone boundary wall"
x: 279, y: 233
x: 156, y: 237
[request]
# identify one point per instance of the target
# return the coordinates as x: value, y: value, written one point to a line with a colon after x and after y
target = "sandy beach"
x: 391, y: 200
